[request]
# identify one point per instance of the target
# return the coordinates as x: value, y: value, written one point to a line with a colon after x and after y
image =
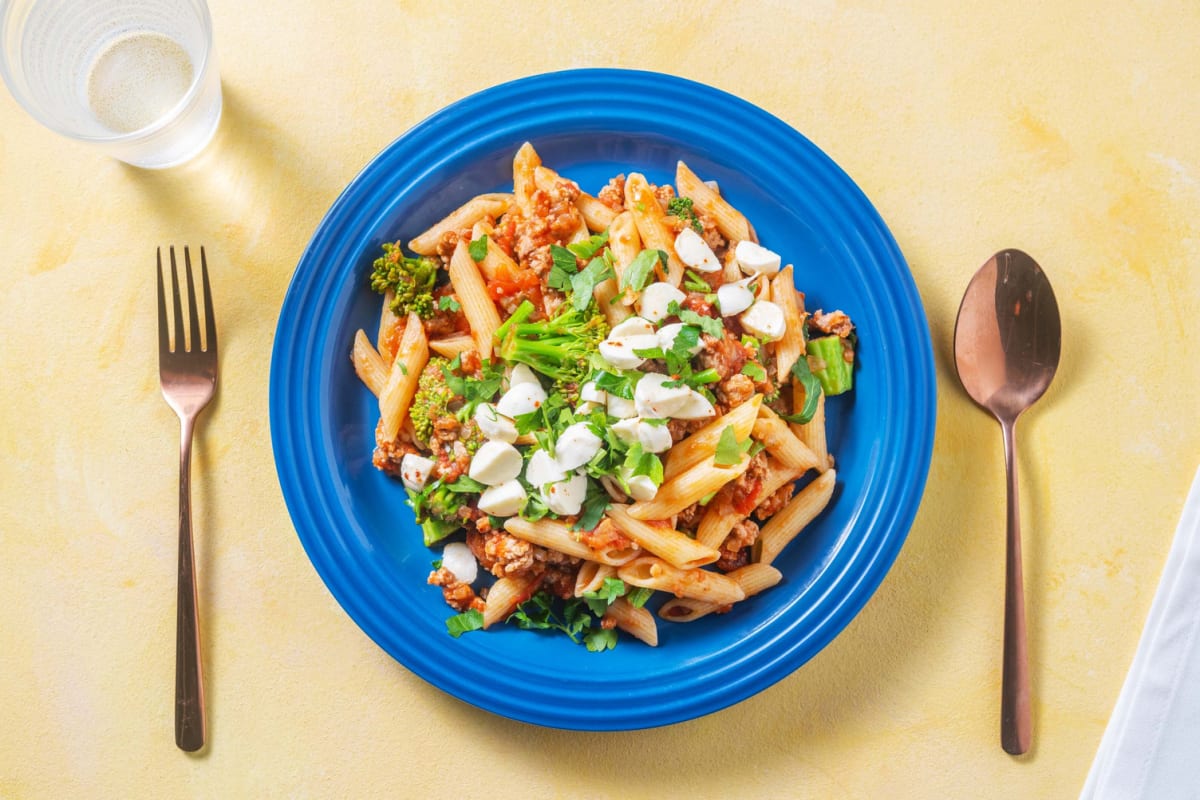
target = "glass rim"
x: 24, y: 99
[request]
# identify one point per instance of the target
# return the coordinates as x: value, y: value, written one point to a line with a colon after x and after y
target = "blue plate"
x: 590, y: 125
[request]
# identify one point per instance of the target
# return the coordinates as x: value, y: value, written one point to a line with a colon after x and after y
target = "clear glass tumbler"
x: 138, y: 79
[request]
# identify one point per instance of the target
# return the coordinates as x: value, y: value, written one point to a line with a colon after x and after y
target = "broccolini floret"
x: 436, y: 509
x: 412, y: 279
x: 432, y: 399
x: 561, y: 348
x: 682, y: 207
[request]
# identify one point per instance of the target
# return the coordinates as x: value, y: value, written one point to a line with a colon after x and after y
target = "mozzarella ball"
x: 576, y: 446
x: 458, y: 559
x: 695, y: 252
x: 494, y: 463
x: 765, y: 320
x: 522, y: 398
x: 502, y: 500
x: 655, y: 401
x: 414, y: 471
x: 656, y: 299
x: 495, y: 425
x: 754, y: 259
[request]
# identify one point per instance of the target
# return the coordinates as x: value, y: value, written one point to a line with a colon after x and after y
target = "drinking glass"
x: 137, y: 79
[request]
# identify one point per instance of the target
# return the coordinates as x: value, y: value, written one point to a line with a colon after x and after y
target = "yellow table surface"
x: 1068, y: 129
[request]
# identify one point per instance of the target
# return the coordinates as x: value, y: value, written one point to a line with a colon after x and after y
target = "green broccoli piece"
x: 432, y: 399
x: 682, y: 207
x: 562, y: 348
x: 835, y: 364
x: 412, y: 279
x: 436, y: 509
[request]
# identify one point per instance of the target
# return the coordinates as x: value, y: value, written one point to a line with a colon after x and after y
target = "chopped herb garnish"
x: 448, y: 303
x: 590, y: 246
x: 710, y: 325
x: 478, y: 248
x: 638, y: 596
x: 683, y: 207
x: 620, y: 385
x: 594, y: 506
x: 638, y: 273
x: 812, y: 392
x: 584, y: 282
x: 755, y: 371
x: 564, y: 268
x: 470, y: 620
x: 729, y: 449
x: 695, y: 283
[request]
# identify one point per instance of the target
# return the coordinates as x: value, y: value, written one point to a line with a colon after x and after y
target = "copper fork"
x: 187, y: 370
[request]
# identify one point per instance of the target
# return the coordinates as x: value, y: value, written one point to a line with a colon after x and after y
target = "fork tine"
x: 193, y: 317
x: 175, y: 304
x: 210, y: 322
x: 164, y: 335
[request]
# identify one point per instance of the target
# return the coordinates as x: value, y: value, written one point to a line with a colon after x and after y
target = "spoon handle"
x: 1016, y: 723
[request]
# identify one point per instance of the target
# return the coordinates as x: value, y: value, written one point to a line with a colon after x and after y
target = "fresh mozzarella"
x: 576, y: 446
x: 756, y: 259
x: 566, y: 497
x: 734, y: 298
x: 627, y: 429
x: 587, y: 407
x: 634, y: 326
x: 494, y: 463
x: 655, y: 401
x: 521, y: 398
x: 656, y: 299
x: 621, y: 408
x: 695, y: 252
x: 641, y: 487
x: 654, y: 438
x: 623, y: 340
x: 458, y: 559
x: 620, y: 354
x: 521, y: 373
x: 414, y: 471
x: 695, y: 407
x: 495, y: 425
x: 543, y: 469
x: 667, y: 334
x: 502, y: 500
x: 590, y: 393
x: 765, y: 320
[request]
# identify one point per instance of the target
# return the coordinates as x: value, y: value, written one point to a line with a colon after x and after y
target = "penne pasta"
x: 688, y: 487
x: 477, y: 304
x: 753, y: 578
x: 477, y: 208
x: 636, y: 621
x: 651, y: 223
x: 596, y: 215
x: 524, y: 183
x: 390, y: 328
x: 701, y: 444
x: 504, y: 597
x: 802, y: 509
x: 591, y: 575
x: 625, y: 243
x: 780, y: 442
x: 607, y: 294
x: 452, y: 345
x: 668, y: 544
x: 812, y: 433
x: 557, y: 536
x: 720, y: 517
x: 730, y: 222
x: 397, y: 393
x: 791, y: 347
x: 370, y: 367
x: 652, y: 572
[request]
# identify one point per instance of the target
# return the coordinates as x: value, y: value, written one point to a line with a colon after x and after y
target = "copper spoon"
x: 1006, y: 347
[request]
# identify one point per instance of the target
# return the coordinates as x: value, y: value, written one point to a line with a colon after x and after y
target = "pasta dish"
x: 593, y: 398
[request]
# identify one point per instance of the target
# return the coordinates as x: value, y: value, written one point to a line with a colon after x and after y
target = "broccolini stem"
x: 836, y: 374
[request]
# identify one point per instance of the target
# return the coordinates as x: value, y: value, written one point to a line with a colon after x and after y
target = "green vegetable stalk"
x: 833, y: 364
x: 412, y: 279
x: 560, y: 348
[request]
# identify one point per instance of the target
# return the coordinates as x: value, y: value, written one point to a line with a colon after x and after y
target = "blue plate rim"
x: 776, y: 654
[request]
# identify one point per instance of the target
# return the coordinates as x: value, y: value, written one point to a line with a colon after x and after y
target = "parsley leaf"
x: 470, y: 620
x: 598, y: 640
x: 583, y: 283
x: 448, y: 303
x: 564, y: 268
x: 478, y: 248
x: 638, y: 273
x: 598, y: 600
x: 474, y: 390
x: 729, y: 452
x: 620, y: 385
x: 755, y: 371
x: 638, y: 596
x: 812, y: 392
x: 709, y: 325
x: 590, y: 246
x: 695, y: 283
x: 465, y: 484
x: 594, y: 505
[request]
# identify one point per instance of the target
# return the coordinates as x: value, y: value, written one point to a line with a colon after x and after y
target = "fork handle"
x: 189, y: 678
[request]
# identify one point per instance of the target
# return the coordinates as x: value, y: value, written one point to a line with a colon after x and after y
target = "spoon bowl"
x: 1007, y: 341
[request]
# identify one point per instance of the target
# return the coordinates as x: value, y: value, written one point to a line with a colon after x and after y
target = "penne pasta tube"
x: 802, y: 509
x: 701, y: 444
x: 390, y: 328
x: 652, y: 572
x: 596, y: 215
x: 477, y: 304
x: 591, y: 575
x: 791, y: 347
x: 637, y: 622
x: 625, y: 243
x: 753, y: 578
x: 465, y: 216
x: 370, y: 367
x: 780, y: 442
x: 397, y: 393
x: 812, y: 433
x: 720, y: 517
x: 524, y: 183
x: 558, y: 536
x: 607, y: 294
x: 688, y: 487
x: 652, y: 226
x: 668, y: 544
x: 452, y: 345
x: 505, y: 595
x: 730, y: 222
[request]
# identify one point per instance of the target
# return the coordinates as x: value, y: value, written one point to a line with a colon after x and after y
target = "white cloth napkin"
x: 1151, y: 747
